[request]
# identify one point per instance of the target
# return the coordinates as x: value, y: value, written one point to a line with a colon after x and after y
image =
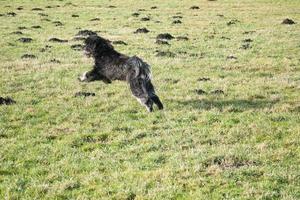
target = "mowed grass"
x: 240, y: 144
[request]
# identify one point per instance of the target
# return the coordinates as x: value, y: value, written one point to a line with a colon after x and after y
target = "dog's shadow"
x: 234, y: 105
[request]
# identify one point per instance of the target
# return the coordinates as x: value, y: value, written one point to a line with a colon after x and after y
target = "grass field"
x: 231, y: 124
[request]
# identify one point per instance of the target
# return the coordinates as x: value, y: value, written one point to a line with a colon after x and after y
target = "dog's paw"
x: 83, y: 77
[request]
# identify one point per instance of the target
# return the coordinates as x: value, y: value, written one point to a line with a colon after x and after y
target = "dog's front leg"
x: 93, y: 75
x: 106, y: 80
x: 83, y: 77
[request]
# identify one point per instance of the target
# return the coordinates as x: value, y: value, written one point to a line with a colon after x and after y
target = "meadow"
x: 229, y: 80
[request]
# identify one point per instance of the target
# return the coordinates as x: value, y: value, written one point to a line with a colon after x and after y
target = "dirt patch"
x: 169, y: 80
x: 232, y: 22
x: 56, y: 6
x: 111, y: 6
x: 204, y: 79
x: 25, y: 40
x: 74, y: 15
x: 231, y: 57
x: 119, y: 42
x: 57, y: 23
x: 200, y: 91
x: 225, y: 38
x: 163, y: 42
x: 165, y: 54
x: 177, y: 17
x: 154, y: 7
x: 43, y: 14
x: 145, y: 19
x: 194, y: 8
x: 17, y: 33
x: 201, y: 55
x: 37, y: 9
x: 70, y: 4
x: 46, y: 20
x: 164, y: 36
x: 182, y: 38
x: 29, y: 56
x: 217, y: 92
x: 248, y: 40
x: 6, y: 101
x: 141, y: 9
x: 220, y: 15
x: 84, y: 94
x: 55, y: 61
x: 95, y: 19
x: 22, y: 28
x: 288, y: 21
x: 135, y: 14
x: 248, y: 32
x: 141, y: 30
x: 11, y: 14
x: 182, y: 52
x: 177, y: 22
x: 77, y: 47
x: 57, y: 40
x: 20, y: 8
x: 36, y: 27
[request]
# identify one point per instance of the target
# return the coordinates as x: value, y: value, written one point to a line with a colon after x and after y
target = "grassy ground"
x: 243, y: 144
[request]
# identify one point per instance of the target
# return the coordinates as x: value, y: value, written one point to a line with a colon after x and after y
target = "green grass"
x: 243, y: 144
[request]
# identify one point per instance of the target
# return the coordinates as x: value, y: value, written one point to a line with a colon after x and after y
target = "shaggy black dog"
x: 111, y: 65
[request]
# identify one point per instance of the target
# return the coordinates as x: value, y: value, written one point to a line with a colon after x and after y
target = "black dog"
x: 111, y: 65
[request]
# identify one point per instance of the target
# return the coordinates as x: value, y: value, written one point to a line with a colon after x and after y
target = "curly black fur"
x: 111, y: 65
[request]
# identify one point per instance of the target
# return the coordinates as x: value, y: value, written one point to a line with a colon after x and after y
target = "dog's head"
x: 95, y: 45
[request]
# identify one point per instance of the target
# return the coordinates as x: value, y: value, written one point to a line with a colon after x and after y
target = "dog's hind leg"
x: 138, y: 90
x: 151, y: 92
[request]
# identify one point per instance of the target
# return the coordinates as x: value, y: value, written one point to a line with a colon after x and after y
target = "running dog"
x: 111, y: 65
